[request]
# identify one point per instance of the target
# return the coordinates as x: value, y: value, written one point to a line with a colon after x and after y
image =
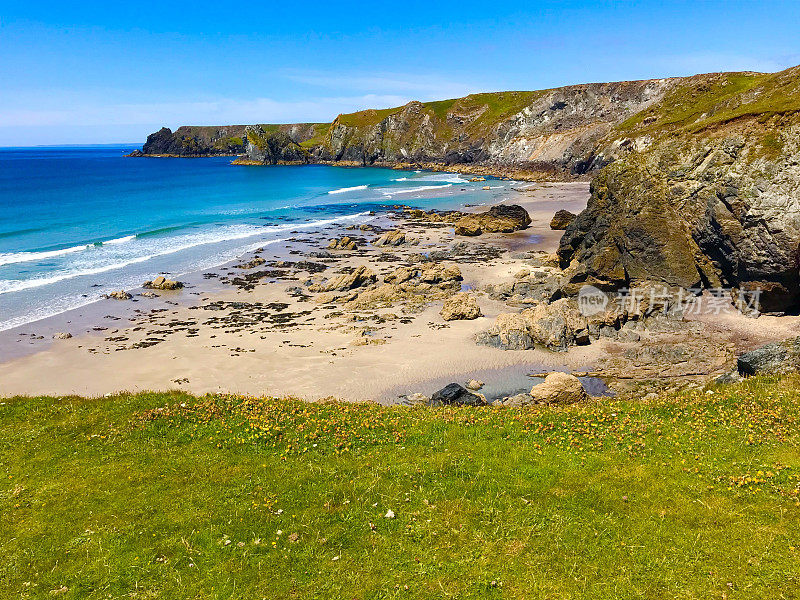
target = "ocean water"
x: 77, y: 222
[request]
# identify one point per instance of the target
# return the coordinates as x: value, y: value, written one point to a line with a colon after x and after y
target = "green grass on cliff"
x: 171, y: 496
x: 705, y: 101
x: 491, y: 108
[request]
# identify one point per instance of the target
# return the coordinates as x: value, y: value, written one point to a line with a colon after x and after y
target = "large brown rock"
x: 498, y: 219
x: 442, y: 274
x: 396, y: 237
x: 562, y: 219
x: 558, y: 388
x: 347, y: 281
x: 344, y: 243
x: 162, y: 283
x: 555, y: 325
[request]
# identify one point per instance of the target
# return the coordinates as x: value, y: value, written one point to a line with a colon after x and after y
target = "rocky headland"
x: 695, y: 180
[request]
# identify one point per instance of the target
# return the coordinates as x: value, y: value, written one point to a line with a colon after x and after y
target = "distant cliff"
x: 549, y: 132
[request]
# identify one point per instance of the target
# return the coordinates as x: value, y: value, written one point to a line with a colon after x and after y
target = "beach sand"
x: 214, y: 336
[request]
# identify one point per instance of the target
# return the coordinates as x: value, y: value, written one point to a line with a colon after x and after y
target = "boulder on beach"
x: 462, y: 306
x: 344, y: 243
x: 562, y: 219
x: 498, y: 219
x: 558, y: 388
x: 474, y: 384
x: 396, y: 237
x: 555, y: 325
x: 399, y: 275
x: 119, y: 295
x: 62, y: 335
x: 441, y: 273
x: 347, y: 281
x: 456, y: 395
x: 162, y: 283
x: 771, y: 359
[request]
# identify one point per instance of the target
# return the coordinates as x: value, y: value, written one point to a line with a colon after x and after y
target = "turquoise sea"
x: 76, y: 222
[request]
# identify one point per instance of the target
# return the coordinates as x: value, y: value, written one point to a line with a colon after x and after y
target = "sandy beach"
x: 257, y: 328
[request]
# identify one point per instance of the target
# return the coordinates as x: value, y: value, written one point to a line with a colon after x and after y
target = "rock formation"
x: 562, y: 219
x: 498, y: 219
x: 162, y: 283
x: 461, y: 306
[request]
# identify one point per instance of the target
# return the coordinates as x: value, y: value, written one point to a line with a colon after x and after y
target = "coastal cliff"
x: 695, y: 180
x: 703, y: 191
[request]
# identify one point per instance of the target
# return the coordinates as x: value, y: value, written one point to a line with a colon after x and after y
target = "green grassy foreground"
x: 171, y: 496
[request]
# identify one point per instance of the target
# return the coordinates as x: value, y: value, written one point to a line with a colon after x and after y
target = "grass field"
x: 171, y: 496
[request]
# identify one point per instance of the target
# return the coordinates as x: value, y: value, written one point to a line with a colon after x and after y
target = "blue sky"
x: 109, y: 72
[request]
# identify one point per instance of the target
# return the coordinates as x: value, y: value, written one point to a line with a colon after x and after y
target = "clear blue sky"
x: 102, y: 72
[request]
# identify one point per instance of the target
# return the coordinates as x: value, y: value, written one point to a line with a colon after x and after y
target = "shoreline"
x: 267, y: 328
x: 89, y: 350
x: 503, y: 172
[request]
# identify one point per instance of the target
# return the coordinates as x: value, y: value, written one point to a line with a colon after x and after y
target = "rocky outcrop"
x: 162, y: 283
x: 498, y: 219
x: 196, y: 141
x: 710, y: 200
x: 462, y: 306
x: 395, y: 237
x: 343, y: 243
x: 771, y: 359
x: 347, y: 281
x: 560, y: 324
x: 441, y: 273
x: 119, y: 295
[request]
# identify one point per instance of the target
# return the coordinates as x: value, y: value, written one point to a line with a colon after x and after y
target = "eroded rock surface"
x: 498, y: 219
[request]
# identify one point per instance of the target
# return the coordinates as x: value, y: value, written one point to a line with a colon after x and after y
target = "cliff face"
x: 232, y: 140
x: 704, y: 190
x: 553, y: 131
x: 196, y: 141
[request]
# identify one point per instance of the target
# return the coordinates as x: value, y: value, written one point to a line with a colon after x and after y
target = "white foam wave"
x: 20, y: 257
x: 231, y: 234
x: 348, y: 189
x: 422, y: 188
x: 122, y: 240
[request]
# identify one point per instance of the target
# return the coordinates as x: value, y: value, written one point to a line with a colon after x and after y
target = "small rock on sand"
x: 474, y: 384
x: 462, y: 306
x: 162, y: 283
x: 62, y: 335
x: 120, y: 295
x: 456, y: 395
